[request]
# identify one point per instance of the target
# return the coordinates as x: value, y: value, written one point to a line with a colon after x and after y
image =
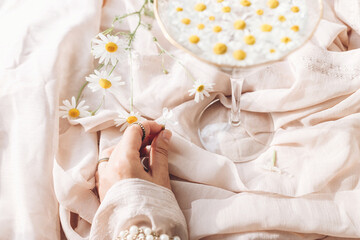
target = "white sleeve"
x: 141, y: 203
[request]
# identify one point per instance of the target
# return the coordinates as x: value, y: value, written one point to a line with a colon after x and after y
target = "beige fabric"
x: 140, y: 203
x: 313, y: 97
x: 42, y: 44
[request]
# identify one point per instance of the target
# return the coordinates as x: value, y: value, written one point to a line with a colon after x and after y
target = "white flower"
x: 225, y: 13
x: 166, y: 117
x: 103, y: 82
x: 271, y: 168
x: 71, y: 111
x: 201, y: 88
x: 108, y: 48
x: 126, y: 119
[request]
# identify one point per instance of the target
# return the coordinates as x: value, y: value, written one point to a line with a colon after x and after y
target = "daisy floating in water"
x: 109, y: 49
x: 72, y: 111
x: 201, y: 88
x: 126, y: 119
x: 103, y: 82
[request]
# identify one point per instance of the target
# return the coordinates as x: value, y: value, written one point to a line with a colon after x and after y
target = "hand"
x: 125, y: 158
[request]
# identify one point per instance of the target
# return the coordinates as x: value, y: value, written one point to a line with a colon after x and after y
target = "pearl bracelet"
x: 136, y: 233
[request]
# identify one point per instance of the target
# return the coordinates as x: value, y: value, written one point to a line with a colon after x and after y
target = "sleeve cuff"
x: 138, y: 202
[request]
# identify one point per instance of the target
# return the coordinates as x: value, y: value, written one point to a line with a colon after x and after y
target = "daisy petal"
x: 102, y: 37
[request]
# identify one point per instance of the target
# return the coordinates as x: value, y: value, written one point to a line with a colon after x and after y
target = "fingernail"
x: 166, y: 134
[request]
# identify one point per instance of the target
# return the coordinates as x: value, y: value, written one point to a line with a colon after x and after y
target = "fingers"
x: 159, y: 158
x: 133, y: 134
x: 106, y: 152
x: 125, y: 161
x: 126, y: 154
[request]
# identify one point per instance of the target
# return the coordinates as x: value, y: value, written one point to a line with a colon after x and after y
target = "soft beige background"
x: 47, y: 171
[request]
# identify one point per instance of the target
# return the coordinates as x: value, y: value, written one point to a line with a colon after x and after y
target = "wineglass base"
x: 240, y: 143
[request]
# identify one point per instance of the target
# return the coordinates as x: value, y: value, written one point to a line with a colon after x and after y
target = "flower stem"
x: 163, y: 64
x: 124, y: 16
x: 113, y: 67
x: 107, y: 31
x: 131, y: 39
x: 138, y: 13
x: 97, y: 109
x: 132, y: 35
x: 163, y: 50
x: 274, y: 159
x: 80, y: 92
x: 131, y: 83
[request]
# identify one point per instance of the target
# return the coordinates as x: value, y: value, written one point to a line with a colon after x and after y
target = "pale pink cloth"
x: 313, y: 97
x: 140, y: 203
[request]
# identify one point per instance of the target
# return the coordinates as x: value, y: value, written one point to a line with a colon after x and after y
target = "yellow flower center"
x: 239, y: 55
x: 272, y: 50
x: 220, y: 48
x: 186, y: 21
x: 200, y: 88
x: 179, y: 9
x: 295, y: 28
x: 282, y: 18
x: 194, y: 39
x: 74, y: 113
x: 295, y: 9
x: 211, y: 18
x: 259, y: 12
x: 217, y: 29
x: 226, y: 9
x: 250, y: 39
x: 104, y: 83
x: 219, y: 1
x: 111, y: 47
x: 200, y: 26
x: 245, y: 3
x: 273, y: 3
x: 131, y: 119
x: 239, y: 24
x: 266, y: 28
x: 286, y: 40
x: 200, y: 7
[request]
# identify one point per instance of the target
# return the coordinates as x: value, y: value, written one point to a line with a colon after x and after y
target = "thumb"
x: 159, y: 158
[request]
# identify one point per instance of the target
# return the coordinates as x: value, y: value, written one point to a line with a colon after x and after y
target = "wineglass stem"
x: 236, y: 89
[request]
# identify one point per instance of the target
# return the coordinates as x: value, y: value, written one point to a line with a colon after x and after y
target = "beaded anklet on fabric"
x: 136, y: 233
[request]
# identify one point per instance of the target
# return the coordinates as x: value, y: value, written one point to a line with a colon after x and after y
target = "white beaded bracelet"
x: 136, y: 233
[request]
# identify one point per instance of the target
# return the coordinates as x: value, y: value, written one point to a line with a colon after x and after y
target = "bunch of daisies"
x: 110, y: 50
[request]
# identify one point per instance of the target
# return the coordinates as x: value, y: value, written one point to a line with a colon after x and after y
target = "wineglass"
x: 227, y: 130
x: 224, y: 128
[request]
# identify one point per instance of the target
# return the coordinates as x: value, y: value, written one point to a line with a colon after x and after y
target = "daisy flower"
x: 166, y: 117
x: 201, y: 88
x: 126, y: 119
x: 225, y: 12
x: 103, y: 82
x: 72, y: 111
x: 271, y: 168
x: 108, y: 48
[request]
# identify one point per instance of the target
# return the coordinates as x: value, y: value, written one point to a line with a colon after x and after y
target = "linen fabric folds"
x: 133, y: 202
x: 48, y: 165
